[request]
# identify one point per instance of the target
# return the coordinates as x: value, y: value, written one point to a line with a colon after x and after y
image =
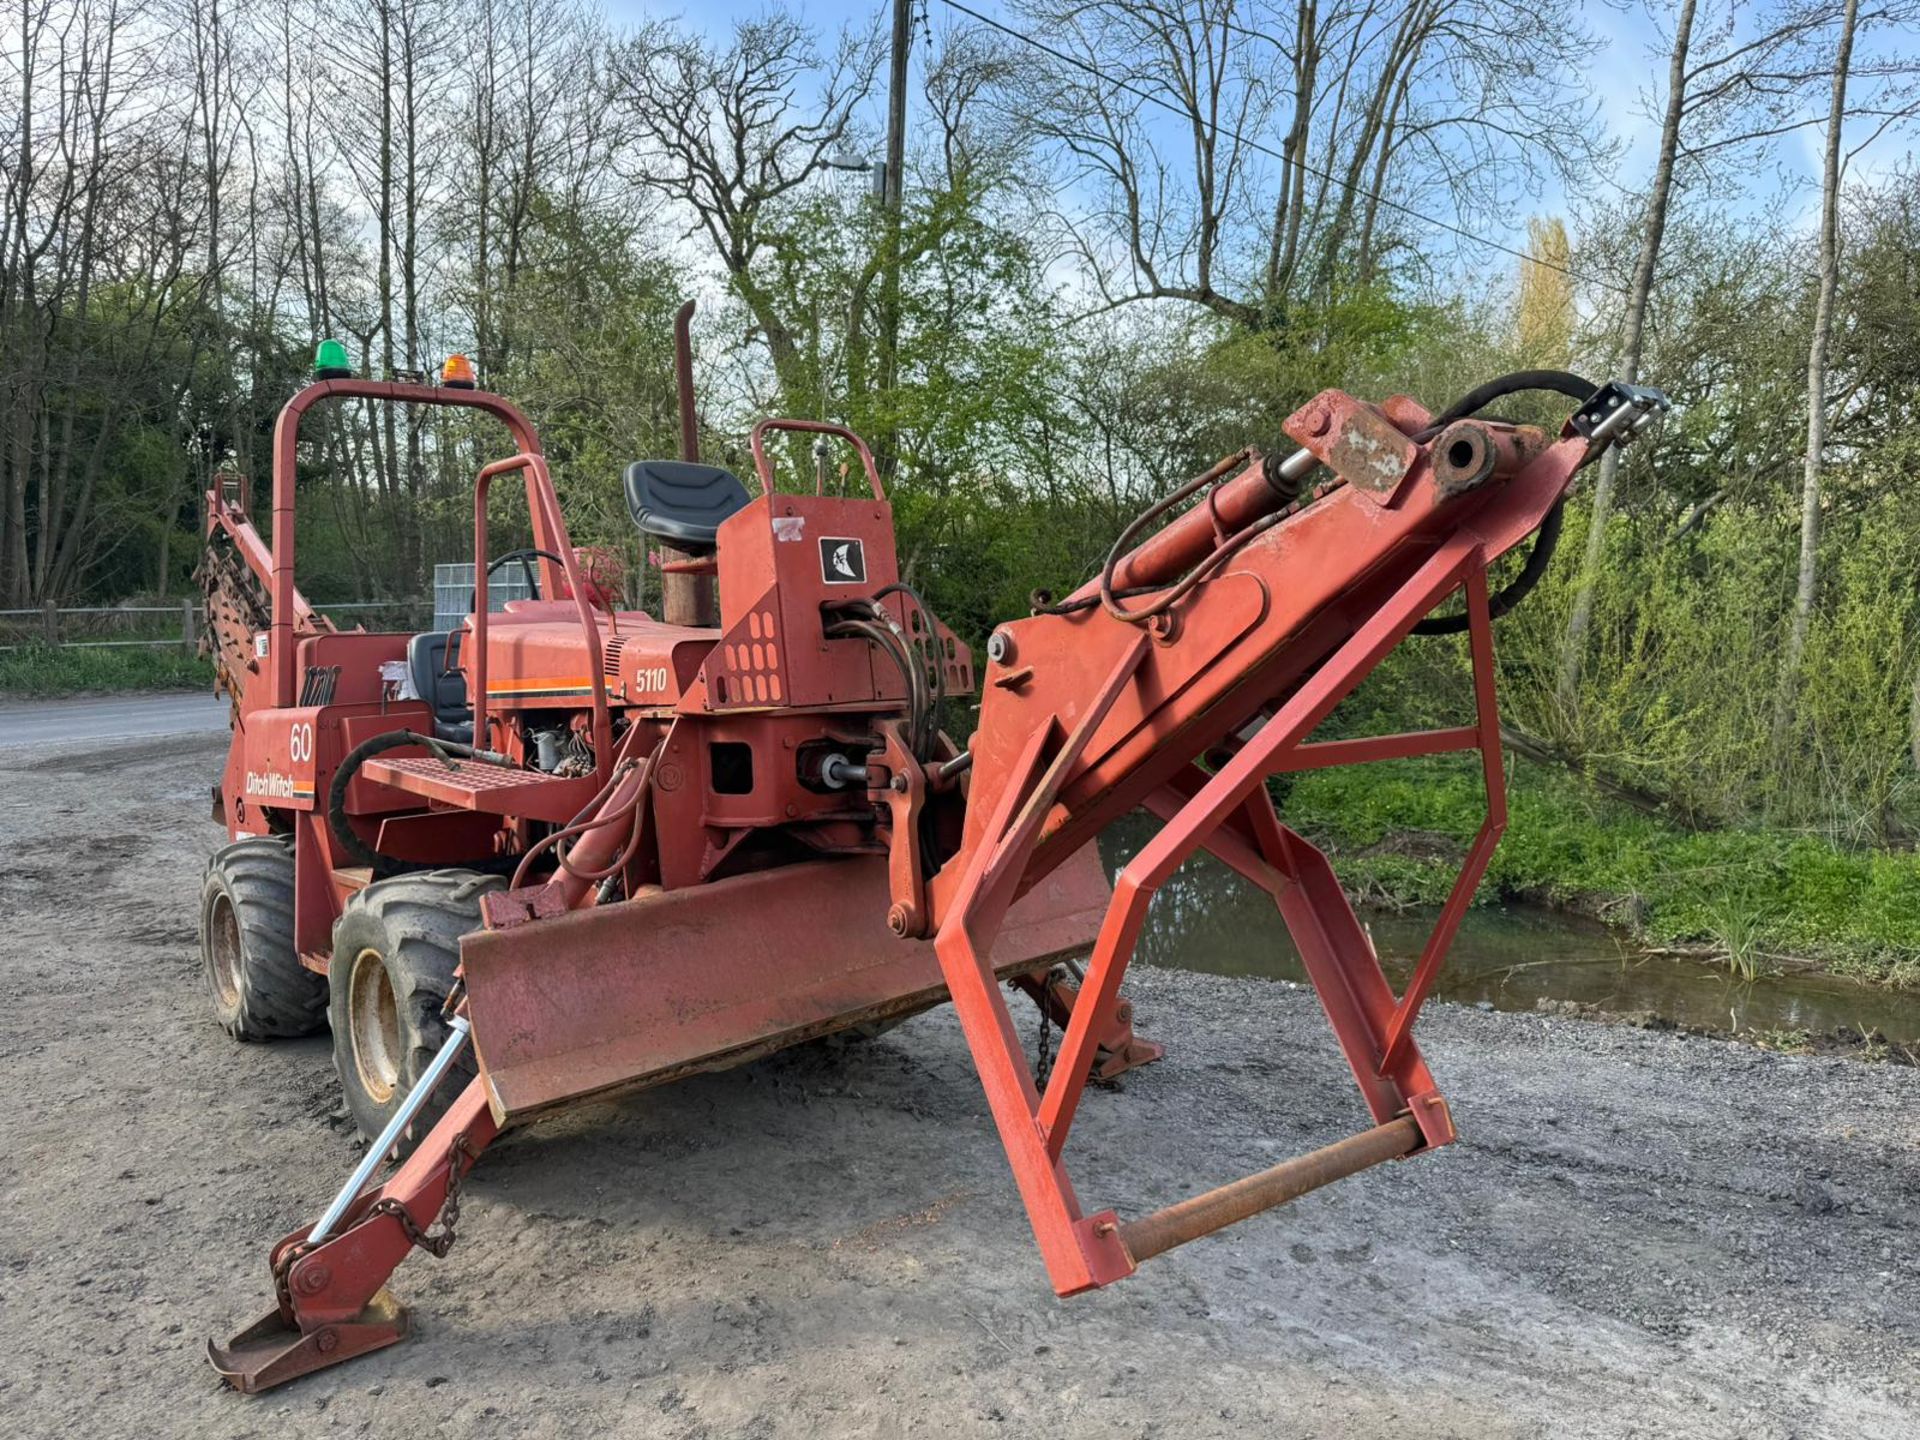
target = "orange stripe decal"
x: 567, y: 682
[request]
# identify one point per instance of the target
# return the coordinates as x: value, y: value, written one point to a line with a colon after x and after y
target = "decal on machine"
x: 542, y: 688
x: 649, y: 680
x: 272, y: 785
x: 843, y: 561
x: 275, y: 786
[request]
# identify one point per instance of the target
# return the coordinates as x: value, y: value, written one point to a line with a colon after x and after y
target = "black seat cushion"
x: 681, y: 502
x: 437, y: 682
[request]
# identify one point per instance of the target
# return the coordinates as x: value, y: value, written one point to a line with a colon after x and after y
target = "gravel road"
x: 1640, y: 1234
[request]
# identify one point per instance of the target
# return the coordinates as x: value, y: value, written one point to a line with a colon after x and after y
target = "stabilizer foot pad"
x: 271, y: 1352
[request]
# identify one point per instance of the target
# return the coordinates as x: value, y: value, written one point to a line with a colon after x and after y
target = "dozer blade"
x: 622, y: 996
x: 272, y: 1350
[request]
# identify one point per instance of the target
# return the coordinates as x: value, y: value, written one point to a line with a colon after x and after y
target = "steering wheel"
x: 525, y: 559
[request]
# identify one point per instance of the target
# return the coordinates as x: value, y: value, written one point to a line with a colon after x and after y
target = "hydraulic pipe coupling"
x: 1469, y: 453
x: 837, y: 772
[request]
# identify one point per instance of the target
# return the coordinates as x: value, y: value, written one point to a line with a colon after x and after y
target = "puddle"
x: 1512, y: 957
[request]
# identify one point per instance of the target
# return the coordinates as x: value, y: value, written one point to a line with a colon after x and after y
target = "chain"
x: 448, y: 1216
x: 435, y: 1245
x: 282, y: 1270
x: 1045, y: 1066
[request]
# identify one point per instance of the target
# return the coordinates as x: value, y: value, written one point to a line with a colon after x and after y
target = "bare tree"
x: 717, y: 130
x: 1829, y: 280
x: 1197, y: 177
x: 104, y: 215
x: 1745, y: 88
x: 1653, y: 230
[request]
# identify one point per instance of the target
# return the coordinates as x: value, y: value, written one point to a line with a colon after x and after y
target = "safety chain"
x: 283, y: 1270
x: 1044, y: 1067
x: 449, y: 1213
x: 435, y: 1245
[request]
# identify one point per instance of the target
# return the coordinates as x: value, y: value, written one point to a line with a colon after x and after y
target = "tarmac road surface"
x: 109, y: 717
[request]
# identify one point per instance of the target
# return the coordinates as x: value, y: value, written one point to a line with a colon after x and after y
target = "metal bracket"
x: 905, y: 796
x: 1617, y: 412
x: 1358, y: 443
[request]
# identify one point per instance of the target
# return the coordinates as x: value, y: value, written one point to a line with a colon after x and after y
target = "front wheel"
x: 260, y: 989
x: 394, y: 952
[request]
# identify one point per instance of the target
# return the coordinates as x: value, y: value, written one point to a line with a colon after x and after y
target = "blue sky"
x: 718, y: 14
x: 1627, y: 67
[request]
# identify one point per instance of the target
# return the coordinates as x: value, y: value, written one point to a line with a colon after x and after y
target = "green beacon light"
x: 330, y: 362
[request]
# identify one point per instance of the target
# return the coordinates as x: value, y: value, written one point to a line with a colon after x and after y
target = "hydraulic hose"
x: 880, y: 632
x: 343, y: 832
x: 1517, y: 382
x: 337, y: 823
x: 1561, y: 382
x: 582, y: 824
x: 932, y: 631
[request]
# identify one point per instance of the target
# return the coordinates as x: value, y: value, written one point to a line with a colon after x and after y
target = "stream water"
x: 1511, y: 957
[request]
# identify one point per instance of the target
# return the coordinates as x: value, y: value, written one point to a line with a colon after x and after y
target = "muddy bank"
x: 1639, y: 1233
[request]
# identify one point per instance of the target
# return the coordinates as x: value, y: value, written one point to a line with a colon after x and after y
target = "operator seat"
x: 441, y: 685
x: 682, y: 502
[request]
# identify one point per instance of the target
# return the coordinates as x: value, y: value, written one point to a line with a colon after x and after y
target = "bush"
x: 1751, y: 894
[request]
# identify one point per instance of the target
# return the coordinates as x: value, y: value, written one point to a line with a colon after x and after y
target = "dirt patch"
x: 1640, y: 1232
x: 1869, y: 1045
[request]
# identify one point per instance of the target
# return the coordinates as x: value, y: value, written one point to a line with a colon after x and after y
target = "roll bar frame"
x: 549, y: 529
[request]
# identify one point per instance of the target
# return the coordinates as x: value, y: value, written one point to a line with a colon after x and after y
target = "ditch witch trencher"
x: 565, y: 850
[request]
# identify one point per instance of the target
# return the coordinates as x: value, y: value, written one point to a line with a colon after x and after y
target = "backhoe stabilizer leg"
x: 333, y: 1303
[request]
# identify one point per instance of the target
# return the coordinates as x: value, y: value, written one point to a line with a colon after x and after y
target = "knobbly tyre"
x: 569, y: 850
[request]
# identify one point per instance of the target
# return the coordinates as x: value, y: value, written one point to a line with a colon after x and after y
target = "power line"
x: 1090, y: 68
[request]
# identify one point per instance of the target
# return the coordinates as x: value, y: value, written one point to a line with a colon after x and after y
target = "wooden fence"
x: 149, y: 626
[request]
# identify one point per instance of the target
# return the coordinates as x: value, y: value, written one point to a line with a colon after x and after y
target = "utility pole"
x: 891, y: 197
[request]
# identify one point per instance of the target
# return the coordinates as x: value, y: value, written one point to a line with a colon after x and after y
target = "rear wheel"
x: 394, y: 952
x: 260, y: 989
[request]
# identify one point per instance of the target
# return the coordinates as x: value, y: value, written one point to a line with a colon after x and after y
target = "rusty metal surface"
x: 621, y: 996
x: 274, y: 1350
x: 1370, y: 452
x: 476, y: 786
x: 1468, y: 453
x: 1357, y: 442
x: 1289, y: 1180
x: 1116, y: 1048
x: 332, y: 1303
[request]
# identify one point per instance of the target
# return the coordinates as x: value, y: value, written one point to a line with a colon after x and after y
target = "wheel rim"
x: 225, y: 958
x: 374, y: 1019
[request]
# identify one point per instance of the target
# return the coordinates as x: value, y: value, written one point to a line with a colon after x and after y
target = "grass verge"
x: 1754, y: 898
x: 39, y: 672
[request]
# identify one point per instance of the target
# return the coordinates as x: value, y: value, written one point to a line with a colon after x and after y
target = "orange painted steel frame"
x: 1121, y: 722
x: 548, y: 532
x: 306, y: 744
x: 547, y: 521
x: 762, y: 467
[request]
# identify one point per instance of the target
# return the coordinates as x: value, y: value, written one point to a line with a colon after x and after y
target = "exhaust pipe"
x: 686, y: 599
